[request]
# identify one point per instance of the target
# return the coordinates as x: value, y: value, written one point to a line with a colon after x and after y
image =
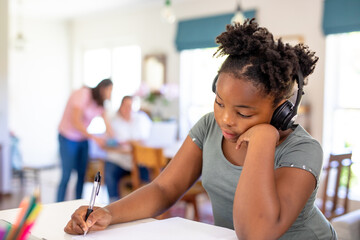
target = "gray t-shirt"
x: 220, y: 177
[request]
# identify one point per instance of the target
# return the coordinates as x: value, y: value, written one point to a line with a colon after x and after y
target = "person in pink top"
x: 83, y: 105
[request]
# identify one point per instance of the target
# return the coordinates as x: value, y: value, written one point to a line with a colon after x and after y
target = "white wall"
x: 144, y: 27
x: 38, y: 88
x: 5, y: 173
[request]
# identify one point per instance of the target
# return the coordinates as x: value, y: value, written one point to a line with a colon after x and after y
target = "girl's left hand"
x: 264, y: 131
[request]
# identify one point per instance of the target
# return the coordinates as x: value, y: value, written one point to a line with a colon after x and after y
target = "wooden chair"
x: 339, y: 167
x: 190, y: 198
x: 93, y: 166
x: 155, y: 161
x: 151, y: 158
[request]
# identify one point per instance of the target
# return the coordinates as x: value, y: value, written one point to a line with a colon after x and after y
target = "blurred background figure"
x: 15, y: 156
x: 128, y: 126
x: 83, y: 105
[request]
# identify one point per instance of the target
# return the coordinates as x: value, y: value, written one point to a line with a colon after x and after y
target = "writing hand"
x: 99, y: 219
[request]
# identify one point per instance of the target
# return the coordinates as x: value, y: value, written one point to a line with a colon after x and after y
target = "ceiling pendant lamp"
x: 167, y: 12
x: 239, y: 16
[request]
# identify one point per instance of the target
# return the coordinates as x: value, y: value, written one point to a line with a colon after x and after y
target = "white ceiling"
x: 72, y: 8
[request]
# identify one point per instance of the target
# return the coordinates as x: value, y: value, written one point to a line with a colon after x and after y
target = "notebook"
x: 167, y: 229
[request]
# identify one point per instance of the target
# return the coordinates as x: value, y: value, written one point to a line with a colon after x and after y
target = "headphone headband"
x: 214, y: 83
x: 300, y: 81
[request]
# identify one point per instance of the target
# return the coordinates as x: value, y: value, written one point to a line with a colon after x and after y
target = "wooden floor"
x: 47, y: 182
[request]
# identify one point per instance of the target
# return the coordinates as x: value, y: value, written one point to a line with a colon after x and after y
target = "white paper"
x: 167, y: 229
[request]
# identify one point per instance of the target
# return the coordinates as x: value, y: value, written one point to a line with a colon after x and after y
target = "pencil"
x: 23, y: 208
x: 29, y: 222
x: 33, y: 215
x: 8, y: 228
x: 2, y: 233
x: 26, y: 231
x: 20, y: 227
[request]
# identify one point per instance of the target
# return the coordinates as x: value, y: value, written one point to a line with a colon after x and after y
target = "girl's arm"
x: 149, y: 201
x: 267, y: 201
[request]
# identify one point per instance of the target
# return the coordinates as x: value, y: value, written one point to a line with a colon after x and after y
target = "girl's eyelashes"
x: 217, y: 102
x: 238, y: 113
x: 244, y: 116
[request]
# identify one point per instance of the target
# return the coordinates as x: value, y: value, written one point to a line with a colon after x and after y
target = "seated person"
x: 260, y: 170
x: 128, y: 126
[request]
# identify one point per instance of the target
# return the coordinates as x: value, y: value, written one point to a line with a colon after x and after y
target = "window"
x: 122, y: 65
x: 97, y: 66
x: 342, y: 105
x: 198, y: 69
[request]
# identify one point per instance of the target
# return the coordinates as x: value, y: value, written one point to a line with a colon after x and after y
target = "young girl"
x: 262, y: 181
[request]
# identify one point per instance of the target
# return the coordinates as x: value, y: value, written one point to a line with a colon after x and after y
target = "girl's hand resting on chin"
x: 260, y: 131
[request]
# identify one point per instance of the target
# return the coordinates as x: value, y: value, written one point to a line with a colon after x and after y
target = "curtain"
x: 341, y: 16
x: 201, y: 32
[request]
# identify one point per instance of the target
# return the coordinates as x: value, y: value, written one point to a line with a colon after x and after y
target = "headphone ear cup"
x: 214, y: 84
x: 282, y: 116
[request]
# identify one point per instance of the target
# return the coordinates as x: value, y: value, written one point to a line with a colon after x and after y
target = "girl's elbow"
x: 254, y: 235
x: 242, y: 231
x: 241, y: 235
x: 255, y: 232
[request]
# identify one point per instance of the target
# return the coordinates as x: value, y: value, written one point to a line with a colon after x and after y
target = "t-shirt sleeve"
x: 199, y: 131
x: 306, y: 155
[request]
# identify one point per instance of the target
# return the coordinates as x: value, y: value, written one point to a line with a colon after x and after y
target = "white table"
x: 53, y: 218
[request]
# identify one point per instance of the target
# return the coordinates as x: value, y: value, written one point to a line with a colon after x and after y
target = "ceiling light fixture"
x: 19, y: 41
x: 168, y: 13
x: 239, y: 16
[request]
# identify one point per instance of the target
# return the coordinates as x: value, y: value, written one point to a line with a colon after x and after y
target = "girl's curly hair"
x: 255, y: 56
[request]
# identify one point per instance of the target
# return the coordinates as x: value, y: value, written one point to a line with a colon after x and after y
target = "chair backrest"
x: 339, y: 165
x: 149, y: 157
x: 153, y: 158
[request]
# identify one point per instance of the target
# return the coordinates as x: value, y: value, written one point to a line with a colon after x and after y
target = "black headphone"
x: 284, y: 116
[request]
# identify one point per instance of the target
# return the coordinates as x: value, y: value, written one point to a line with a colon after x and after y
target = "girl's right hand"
x: 99, y: 219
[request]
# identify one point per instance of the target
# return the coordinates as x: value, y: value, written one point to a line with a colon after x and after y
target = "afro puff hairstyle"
x: 255, y: 56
